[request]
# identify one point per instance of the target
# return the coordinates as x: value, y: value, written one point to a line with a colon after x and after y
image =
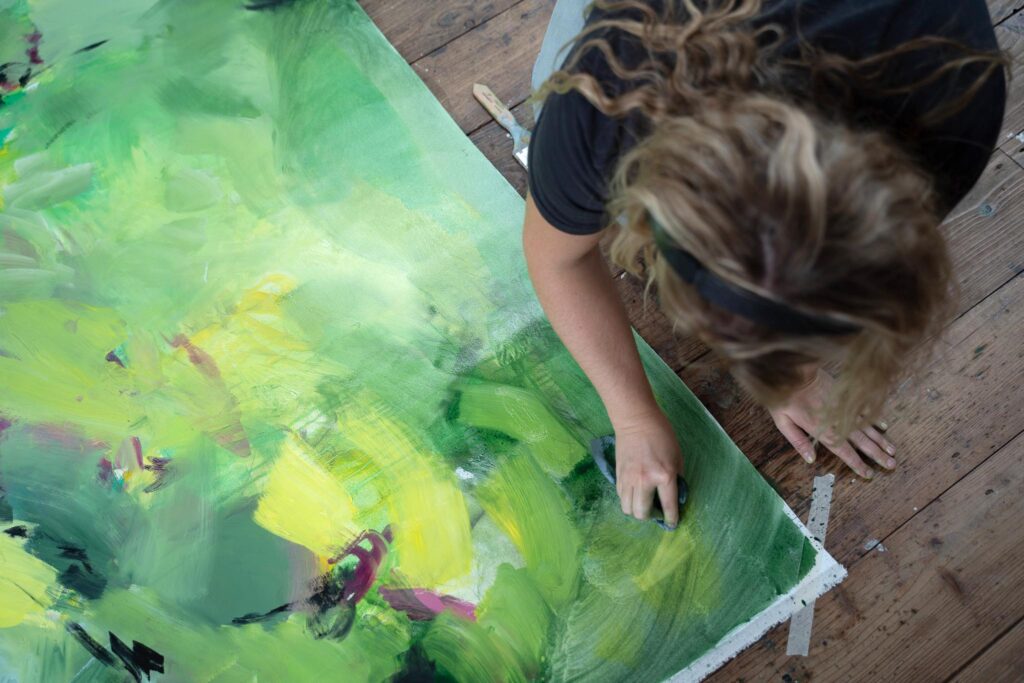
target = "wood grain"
x: 987, y: 246
x: 499, y: 53
x: 418, y: 28
x: 961, y: 410
x: 1002, y: 662
x: 984, y: 232
x: 1011, y: 38
x: 947, y: 582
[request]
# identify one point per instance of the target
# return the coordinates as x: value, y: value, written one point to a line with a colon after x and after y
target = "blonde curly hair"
x: 774, y: 195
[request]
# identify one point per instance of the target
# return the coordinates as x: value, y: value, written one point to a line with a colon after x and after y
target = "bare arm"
x: 579, y: 298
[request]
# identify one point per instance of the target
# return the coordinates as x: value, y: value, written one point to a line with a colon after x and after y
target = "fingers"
x: 879, y: 438
x: 797, y: 437
x: 668, y: 495
x: 846, y: 453
x: 869, y: 447
x: 643, y: 501
x: 626, y: 499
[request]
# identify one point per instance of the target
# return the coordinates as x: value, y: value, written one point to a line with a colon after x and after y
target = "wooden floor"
x: 935, y: 550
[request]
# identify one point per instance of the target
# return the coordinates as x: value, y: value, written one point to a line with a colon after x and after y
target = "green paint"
x: 508, y: 643
x: 535, y: 514
x: 519, y: 413
x: 251, y: 250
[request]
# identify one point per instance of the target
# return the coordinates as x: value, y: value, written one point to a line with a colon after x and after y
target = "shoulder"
x: 575, y: 148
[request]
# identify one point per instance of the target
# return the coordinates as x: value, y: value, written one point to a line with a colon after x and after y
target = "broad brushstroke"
x: 276, y: 397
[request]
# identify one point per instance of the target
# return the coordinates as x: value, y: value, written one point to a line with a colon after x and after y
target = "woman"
x: 778, y: 172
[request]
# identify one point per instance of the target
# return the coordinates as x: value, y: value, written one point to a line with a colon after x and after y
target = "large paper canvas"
x: 278, y: 402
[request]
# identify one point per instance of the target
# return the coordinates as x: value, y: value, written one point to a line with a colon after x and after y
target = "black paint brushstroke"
x: 161, y: 474
x: 417, y: 667
x: 60, y: 131
x: 94, y: 648
x: 147, y: 658
x: 139, y: 659
x: 254, y: 617
x: 72, y: 552
x: 19, y: 531
x: 334, y: 623
x: 127, y: 657
x: 86, y: 583
x: 91, y: 47
x: 267, y: 4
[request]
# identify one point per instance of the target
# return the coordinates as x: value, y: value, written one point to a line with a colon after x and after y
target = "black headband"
x: 744, y: 303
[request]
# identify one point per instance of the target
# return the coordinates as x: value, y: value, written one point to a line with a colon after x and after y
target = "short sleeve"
x: 566, y: 181
x: 957, y: 149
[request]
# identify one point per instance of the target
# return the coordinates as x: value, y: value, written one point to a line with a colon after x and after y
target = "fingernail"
x: 883, y: 426
x: 890, y: 463
x: 867, y: 474
x: 809, y: 457
x: 890, y: 449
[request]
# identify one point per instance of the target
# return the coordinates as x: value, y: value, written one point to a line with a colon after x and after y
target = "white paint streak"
x: 825, y: 574
x: 875, y: 544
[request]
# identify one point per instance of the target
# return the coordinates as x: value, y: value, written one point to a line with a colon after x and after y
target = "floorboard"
x: 510, y: 42
x: 1001, y: 662
x: 935, y: 592
x: 1011, y: 39
x: 418, y: 28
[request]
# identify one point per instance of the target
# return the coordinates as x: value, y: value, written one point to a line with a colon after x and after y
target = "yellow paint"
x: 673, y: 550
x: 24, y: 581
x: 261, y: 355
x: 303, y: 503
x: 258, y: 316
x: 427, y: 512
x: 535, y: 513
x: 54, y: 367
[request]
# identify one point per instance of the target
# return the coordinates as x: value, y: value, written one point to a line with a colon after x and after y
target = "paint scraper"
x: 497, y: 109
x: 602, y: 449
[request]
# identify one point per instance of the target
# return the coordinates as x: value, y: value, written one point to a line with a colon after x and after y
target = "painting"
x: 278, y: 402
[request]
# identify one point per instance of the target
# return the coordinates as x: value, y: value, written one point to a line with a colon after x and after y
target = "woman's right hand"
x: 647, y: 461
x: 579, y: 297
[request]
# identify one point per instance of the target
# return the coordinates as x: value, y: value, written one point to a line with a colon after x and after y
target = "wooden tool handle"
x: 494, y: 106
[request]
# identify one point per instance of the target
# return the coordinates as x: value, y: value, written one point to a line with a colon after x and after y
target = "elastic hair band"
x: 744, y: 303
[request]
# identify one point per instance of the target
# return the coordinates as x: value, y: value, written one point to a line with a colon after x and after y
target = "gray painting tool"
x: 602, y: 449
x: 497, y: 109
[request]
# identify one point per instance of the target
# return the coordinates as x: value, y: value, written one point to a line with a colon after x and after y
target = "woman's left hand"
x: 799, y: 422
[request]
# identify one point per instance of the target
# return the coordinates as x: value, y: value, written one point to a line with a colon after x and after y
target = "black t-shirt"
x: 575, y: 148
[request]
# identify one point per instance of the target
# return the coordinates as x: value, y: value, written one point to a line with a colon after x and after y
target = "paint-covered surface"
x: 276, y: 398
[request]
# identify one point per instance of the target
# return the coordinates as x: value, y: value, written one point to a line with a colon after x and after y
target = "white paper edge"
x: 824, y: 575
